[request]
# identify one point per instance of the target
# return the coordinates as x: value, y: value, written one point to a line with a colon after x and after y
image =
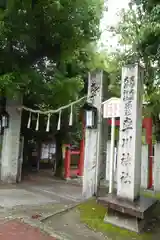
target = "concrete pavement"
x: 30, y: 209
x: 25, y: 205
x: 29, y: 195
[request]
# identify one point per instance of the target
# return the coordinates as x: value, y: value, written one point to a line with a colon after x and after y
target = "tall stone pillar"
x: 10, y: 145
x: 94, y: 141
x: 129, y: 157
x: 156, y: 169
x: 144, y: 167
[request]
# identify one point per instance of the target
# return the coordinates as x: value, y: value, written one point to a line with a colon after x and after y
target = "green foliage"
x: 42, y: 47
x: 148, y: 47
x: 138, y: 32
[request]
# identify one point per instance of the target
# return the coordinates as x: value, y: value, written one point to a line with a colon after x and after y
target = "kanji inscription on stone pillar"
x: 93, y: 137
x: 129, y: 157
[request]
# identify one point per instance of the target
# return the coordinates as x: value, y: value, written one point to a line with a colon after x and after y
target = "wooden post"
x: 111, y: 174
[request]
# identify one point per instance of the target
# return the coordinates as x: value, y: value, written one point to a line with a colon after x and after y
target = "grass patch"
x: 92, y: 214
x: 151, y: 194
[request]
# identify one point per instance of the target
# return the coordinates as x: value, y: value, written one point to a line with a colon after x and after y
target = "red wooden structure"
x: 147, y: 124
x: 68, y: 172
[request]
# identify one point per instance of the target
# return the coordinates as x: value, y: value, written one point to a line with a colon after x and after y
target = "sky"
x: 111, y: 18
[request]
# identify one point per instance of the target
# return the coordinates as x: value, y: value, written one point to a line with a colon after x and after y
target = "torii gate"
x: 147, y: 124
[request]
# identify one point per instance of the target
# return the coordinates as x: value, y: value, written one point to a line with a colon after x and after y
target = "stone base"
x: 129, y: 215
x: 80, y: 177
x: 67, y: 179
x: 125, y: 221
x: 9, y: 178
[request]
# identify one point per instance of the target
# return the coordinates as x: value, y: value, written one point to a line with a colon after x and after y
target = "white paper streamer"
x: 59, y: 121
x: 29, y: 120
x: 37, y: 123
x: 71, y: 116
x: 48, y: 123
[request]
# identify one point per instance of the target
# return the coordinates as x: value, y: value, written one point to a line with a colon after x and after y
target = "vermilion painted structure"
x: 147, y: 124
x: 68, y: 172
x: 67, y: 166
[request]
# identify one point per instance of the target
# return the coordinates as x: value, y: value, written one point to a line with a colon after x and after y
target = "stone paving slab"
x: 16, y: 230
x: 69, y: 223
x: 32, y: 195
x: 63, y: 191
x: 13, y: 197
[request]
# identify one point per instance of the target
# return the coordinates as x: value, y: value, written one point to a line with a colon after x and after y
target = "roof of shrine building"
x: 111, y: 99
x: 118, y: 99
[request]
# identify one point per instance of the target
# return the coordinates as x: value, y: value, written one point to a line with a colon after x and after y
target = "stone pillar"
x: 20, y: 159
x: 11, y: 140
x: 156, y: 168
x: 144, y: 167
x: 104, y: 131
x: 93, y: 138
x: 129, y: 159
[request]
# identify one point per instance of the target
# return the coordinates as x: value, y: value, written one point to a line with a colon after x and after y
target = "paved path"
x: 39, y: 194
x: 30, y: 203
x: 24, y: 207
x: 15, y: 230
x: 69, y: 223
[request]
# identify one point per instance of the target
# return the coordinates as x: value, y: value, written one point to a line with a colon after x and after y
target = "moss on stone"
x: 92, y: 214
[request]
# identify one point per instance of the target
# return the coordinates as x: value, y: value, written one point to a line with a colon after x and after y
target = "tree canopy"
x: 44, y: 46
x: 138, y: 35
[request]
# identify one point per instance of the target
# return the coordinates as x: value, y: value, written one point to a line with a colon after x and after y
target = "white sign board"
x: 111, y: 108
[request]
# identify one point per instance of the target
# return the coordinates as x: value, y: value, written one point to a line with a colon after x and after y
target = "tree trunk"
x: 62, y: 136
x: 59, y: 156
x: 25, y: 164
